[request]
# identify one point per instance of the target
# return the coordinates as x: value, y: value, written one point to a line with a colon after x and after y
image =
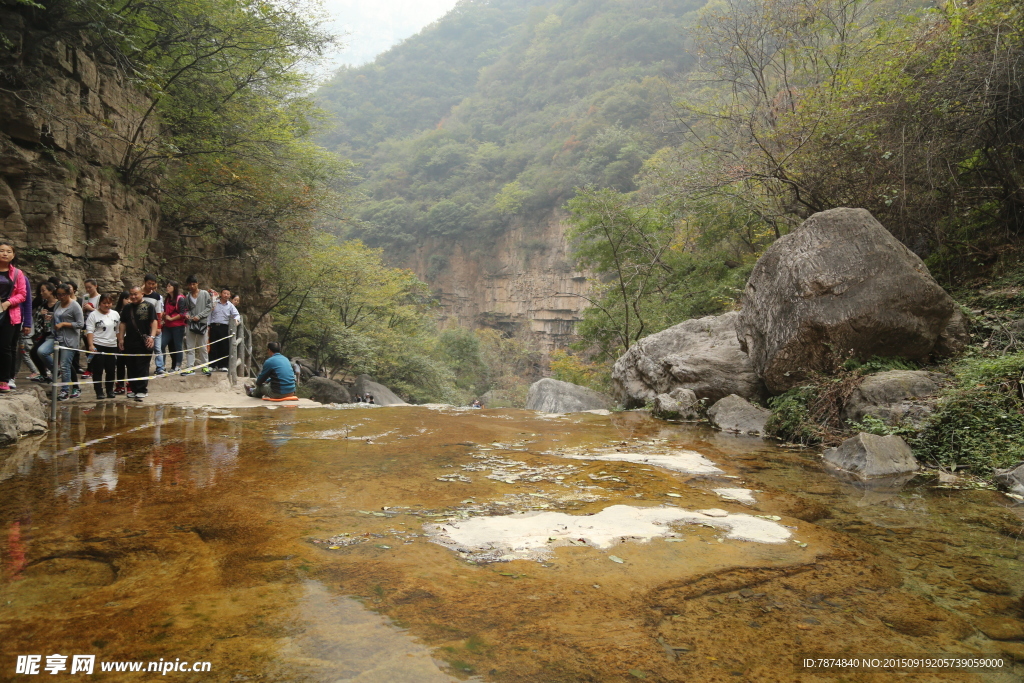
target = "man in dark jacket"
x: 136, y: 335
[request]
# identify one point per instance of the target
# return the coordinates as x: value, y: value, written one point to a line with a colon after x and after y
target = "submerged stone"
x: 735, y: 414
x: 867, y: 455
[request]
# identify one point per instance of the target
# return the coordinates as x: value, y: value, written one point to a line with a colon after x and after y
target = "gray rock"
x: 702, y: 355
x: 382, y: 396
x: 894, y: 396
x: 735, y: 414
x: 554, y: 396
x: 677, y: 404
x: 21, y: 414
x: 868, y: 456
x: 1012, y: 478
x: 841, y: 285
x: 325, y: 390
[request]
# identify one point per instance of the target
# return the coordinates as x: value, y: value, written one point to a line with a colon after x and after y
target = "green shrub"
x: 791, y: 417
x: 979, y: 422
x: 880, y: 364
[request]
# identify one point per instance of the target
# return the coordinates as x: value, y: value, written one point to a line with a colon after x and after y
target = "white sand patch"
x: 689, y: 462
x: 745, y: 496
x: 532, y: 535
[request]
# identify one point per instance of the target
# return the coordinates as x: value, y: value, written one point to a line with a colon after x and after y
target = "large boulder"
x: 323, y: 390
x: 838, y: 286
x: 382, y: 396
x: 894, y: 396
x: 554, y: 396
x: 702, y: 355
x: 867, y: 456
x: 679, y: 403
x: 735, y: 414
x: 21, y: 414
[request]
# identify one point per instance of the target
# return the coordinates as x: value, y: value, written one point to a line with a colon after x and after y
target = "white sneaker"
x: 11, y: 384
x: 141, y: 395
x: 130, y: 394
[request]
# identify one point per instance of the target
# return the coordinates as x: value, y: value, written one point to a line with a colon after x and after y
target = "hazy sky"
x: 375, y: 25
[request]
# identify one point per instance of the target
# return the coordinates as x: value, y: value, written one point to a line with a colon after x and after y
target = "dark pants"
x: 173, y: 340
x: 138, y: 366
x: 219, y: 349
x: 103, y: 365
x: 265, y: 391
x: 37, y: 360
x: 8, y: 346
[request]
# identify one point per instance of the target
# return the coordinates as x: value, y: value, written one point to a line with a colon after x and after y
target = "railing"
x: 241, y: 362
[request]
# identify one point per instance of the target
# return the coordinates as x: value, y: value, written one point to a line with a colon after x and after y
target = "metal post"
x: 241, y: 351
x: 232, y: 351
x: 53, y: 385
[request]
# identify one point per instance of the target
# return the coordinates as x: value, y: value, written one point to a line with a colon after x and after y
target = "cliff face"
x: 65, y: 123
x: 525, y: 281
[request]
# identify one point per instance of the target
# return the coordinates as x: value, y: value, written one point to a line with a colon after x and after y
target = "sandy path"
x: 213, y: 391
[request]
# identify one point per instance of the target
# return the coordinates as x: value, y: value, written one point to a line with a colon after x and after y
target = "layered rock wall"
x: 66, y: 120
x: 522, y: 282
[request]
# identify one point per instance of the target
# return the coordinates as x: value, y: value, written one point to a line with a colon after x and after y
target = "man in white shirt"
x: 220, y: 345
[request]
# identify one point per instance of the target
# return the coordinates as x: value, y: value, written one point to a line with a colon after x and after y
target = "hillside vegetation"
x: 502, y: 109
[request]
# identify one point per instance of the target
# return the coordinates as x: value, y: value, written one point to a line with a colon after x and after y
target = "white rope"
x: 137, y: 379
x: 110, y: 353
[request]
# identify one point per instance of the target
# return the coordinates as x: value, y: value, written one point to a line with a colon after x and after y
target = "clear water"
x: 291, y: 545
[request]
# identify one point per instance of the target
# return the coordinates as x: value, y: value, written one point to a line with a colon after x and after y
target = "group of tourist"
x: 121, y: 334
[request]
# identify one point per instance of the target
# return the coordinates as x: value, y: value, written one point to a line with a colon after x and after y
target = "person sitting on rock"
x: 276, y: 380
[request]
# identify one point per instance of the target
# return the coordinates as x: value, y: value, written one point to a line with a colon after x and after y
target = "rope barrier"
x: 137, y: 379
x: 111, y: 353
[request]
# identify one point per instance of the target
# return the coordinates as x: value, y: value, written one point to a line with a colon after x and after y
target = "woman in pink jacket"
x: 12, y: 293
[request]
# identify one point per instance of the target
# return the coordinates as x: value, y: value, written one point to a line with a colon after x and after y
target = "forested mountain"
x: 502, y: 108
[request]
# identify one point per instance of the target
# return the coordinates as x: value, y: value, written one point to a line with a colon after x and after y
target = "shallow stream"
x: 422, y: 544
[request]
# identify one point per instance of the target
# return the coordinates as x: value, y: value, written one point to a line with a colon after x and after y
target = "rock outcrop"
x: 867, y: 456
x: 680, y: 404
x: 702, y: 355
x: 323, y: 390
x: 20, y: 414
x: 523, y: 281
x: 894, y: 396
x: 382, y: 396
x: 841, y: 285
x: 66, y: 120
x: 1012, y: 478
x: 554, y: 396
x: 735, y: 414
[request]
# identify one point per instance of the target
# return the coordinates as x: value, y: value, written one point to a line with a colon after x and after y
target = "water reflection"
x: 168, y: 531
x: 337, y: 639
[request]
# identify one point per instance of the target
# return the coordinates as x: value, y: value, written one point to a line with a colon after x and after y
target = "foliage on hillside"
x: 801, y: 106
x: 502, y: 108
x: 226, y: 141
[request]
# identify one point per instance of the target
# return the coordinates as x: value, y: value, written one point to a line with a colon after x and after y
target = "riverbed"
x: 440, y: 544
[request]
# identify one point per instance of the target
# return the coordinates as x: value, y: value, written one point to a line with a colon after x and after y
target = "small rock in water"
x: 714, y: 512
x: 991, y: 584
x: 615, y: 558
x: 1001, y: 628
